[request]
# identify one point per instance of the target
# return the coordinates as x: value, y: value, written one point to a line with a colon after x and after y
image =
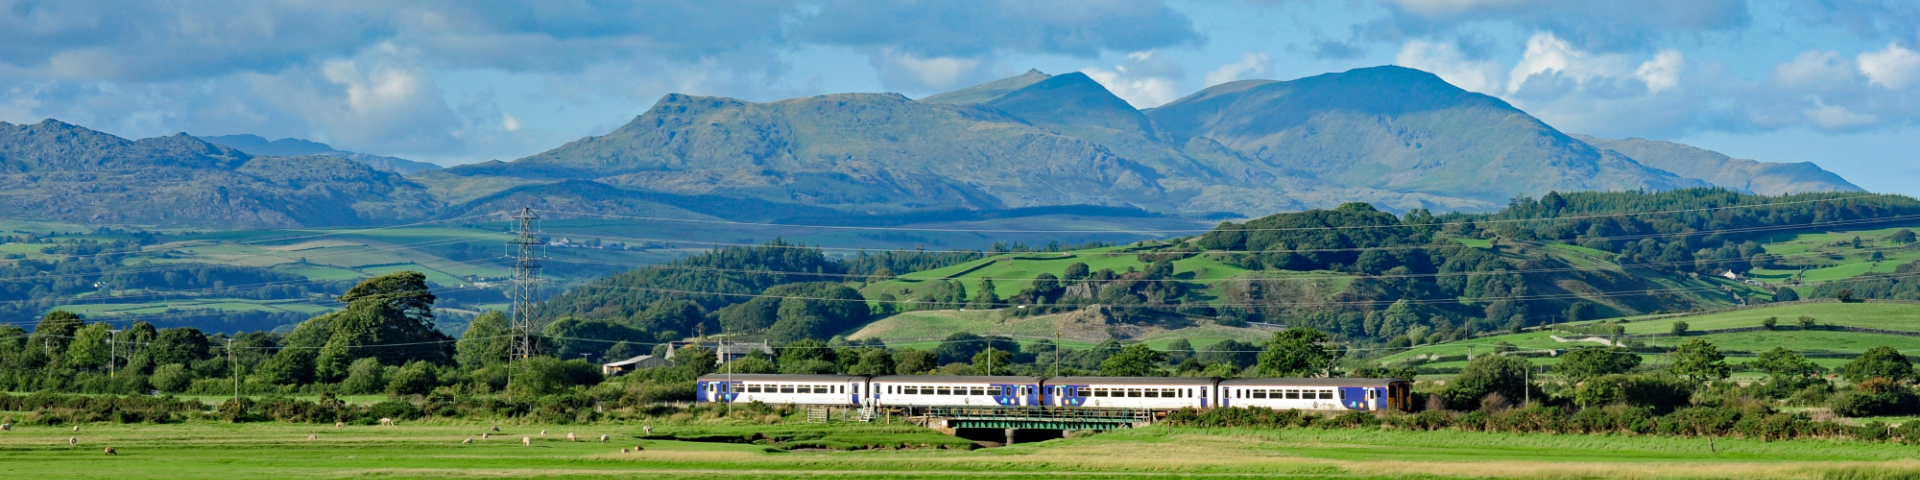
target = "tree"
x: 1844, y: 295
x: 570, y: 337
x: 55, y: 331
x: 1489, y: 374
x: 1135, y: 360
x: 1879, y: 362
x: 1589, y: 362
x: 993, y: 361
x: 171, y: 378
x: 1679, y: 328
x: 1180, y: 350
x: 1296, y: 352
x: 417, y: 378
x: 984, y: 296
x: 1700, y: 361
x: 1902, y: 236
x: 873, y: 362
x: 364, y: 376
x: 181, y: 345
x: 1780, y: 363
x: 487, y: 341
x: 1769, y: 323
x: 807, y: 357
x: 1076, y: 271
x: 89, y: 349
x: 908, y: 361
x: 1806, y: 322
x: 389, y: 317
x: 1784, y: 294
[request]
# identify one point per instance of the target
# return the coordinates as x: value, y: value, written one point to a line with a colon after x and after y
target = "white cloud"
x: 511, y: 124
x: 905, y: 70
x: 1549, y: 56
x: 1895, y: 68
x: 1816, y: 70
x: 1834, y: 117
x: 1663, y: 72
x: 1445, y: 60
x: 1250, y: 64
x: 1145, y: 80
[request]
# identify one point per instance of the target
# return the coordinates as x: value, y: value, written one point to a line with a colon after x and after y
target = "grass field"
x: 228, y: 451
x: 925, y: 329
x: 1869, y: 315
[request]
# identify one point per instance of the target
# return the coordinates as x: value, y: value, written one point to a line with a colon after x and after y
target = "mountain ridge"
x: 294, y: 147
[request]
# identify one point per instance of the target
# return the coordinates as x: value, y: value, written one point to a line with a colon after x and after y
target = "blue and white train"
x: 1150, y: 393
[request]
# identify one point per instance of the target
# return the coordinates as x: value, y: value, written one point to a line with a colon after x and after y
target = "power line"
x: 1163, y: 231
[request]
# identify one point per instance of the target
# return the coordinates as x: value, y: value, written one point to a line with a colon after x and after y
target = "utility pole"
x: 523, y: 285
x: 236, y: 373
x: 113, y: 351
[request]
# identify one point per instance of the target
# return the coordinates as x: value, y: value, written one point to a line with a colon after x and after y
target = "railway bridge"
x: 1028, y: 423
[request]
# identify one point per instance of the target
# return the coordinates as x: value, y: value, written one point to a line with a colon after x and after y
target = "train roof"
x: 957, y: 378
x: 1134, y: 380
x: 1312, y: 382
x: 766, y: 377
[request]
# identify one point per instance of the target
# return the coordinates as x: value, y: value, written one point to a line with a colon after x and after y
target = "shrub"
x: 1877, y: 397
x: 1679, y: 327
x: 1770, y: 322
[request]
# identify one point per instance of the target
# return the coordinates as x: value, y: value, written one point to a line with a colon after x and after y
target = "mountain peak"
x: 1072, y: 98
x: 989, y: 91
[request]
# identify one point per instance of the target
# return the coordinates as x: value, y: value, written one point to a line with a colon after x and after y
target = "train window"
x: 1259, y: 393
x: 943, y: 390
x: 1133, y: 393
x: 1326, y: 394
x: 1167, y: 393
x: 856, y: 389
x: 996, y: 391
x: 1342, y: 394
x: 784, y: 388
x: 1293, y: 394
x: 976, y: 391
x: 753, y: 388
x: 1153, y: 393
x: 1082, y: 392
x: 737, y: 388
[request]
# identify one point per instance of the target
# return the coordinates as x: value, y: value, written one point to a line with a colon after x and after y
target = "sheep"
x: 496, y: 428
x: 571, y: 438
x: 637, y: 448
x: 543, y: 432
x: 73, y: 441
x: 386, y: 422
x: 528, y: 441
x: 603, y: 438
x: 468, y: 441
x: 623, y: 450
x: 76, y: 429
x: 110, y: 451
x: 484, y: 436
x: 6, y: 427
x: 649, y: 429
x: 312, y: 437
x: 339, y: 424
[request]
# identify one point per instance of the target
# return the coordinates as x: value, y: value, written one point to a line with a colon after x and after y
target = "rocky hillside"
x: 59, y: 172
x: 1717, y: 168
x: 1396, y: 137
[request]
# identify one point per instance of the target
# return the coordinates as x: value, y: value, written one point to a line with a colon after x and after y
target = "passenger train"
x: 1151, y: 393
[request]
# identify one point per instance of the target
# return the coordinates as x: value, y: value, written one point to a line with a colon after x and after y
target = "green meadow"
x: 850, y: 450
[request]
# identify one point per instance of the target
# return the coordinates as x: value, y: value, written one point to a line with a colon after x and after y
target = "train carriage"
x: 1364, y: 394
x: 781, y: 389
x: 955, y: 391
x: 1130, y: 392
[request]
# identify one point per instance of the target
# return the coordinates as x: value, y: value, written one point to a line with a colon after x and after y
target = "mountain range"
x: 294, y: 147
x: 1396, y: 137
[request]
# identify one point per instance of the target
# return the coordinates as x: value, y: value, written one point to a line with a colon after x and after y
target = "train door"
x: 1399, y: 397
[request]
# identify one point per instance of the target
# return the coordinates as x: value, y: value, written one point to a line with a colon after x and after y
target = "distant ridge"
x: 1734, y: 173
x: 291, y: 147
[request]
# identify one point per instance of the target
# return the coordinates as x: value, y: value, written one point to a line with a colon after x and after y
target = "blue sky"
x: 1834, y: 82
